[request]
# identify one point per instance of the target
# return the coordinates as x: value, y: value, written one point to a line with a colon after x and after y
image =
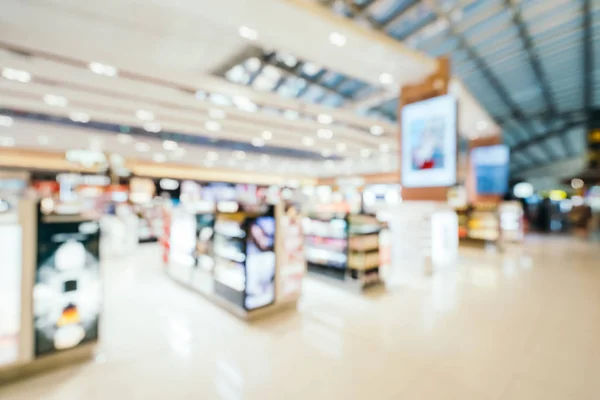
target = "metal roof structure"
x: 533, y: 64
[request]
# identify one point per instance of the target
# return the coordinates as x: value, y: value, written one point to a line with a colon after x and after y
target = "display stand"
x: 59, y: 320
x: 343, y: 248
x: 425, y: 237
x: 239, y: 260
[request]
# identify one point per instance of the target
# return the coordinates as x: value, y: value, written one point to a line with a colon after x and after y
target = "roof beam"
x: 521, y: 146
x: 588, y: 56
x: 485, y: 70
x: 536, y: 66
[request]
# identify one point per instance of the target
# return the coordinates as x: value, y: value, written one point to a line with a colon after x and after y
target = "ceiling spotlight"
x: 124, y: 139
x: 179, y: 152
x: 376, y: 130
x: 310, y: 68
x: 341, y: 147
x: 308, y: 141
x: 267, y: 135
x: 220, y: 99
x: 144, y: 115
x: 7, y: 141
x: 239, y: 154
x: 337, y: 39
x: 56, y: 101
x: 6, y: 121
x: 212, y: 156
x: 482, y: 125
x: 325, y: 133
x: 386, y: 79
x: 159, y: 157
x: 170, y: 145
x: 16, y: 75
x: 79, y: 117
x: 325, y: 118
x: 244, y: 103
x: 212, y: 126
x: 43, y: 140
x: 103, y: 69
x: 153, y: 127
x: 216, y: 113
x: 384, y: 147
x: 291, y: 114
x: 365, y: 153
x: 577, y: 183
x: 248, y: 33
x: 258, y: 142
x: 142, y: 147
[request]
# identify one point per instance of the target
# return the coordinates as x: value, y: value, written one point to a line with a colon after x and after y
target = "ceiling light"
x: 79, y: 117
x: 290, y: 60
x: 142, y: 147
x: 253, y: 64
x: 212, y: 156
x: 267, y: 135
x: 56, y: 101
x: 337, y: 39
x: 153, y: 127
x: 258, y: 142
x: 341, y: 147
x: 212, y: 126
x: 308, y: 141
x: 7, y: 141
x: 16, y: 75
x: 577, y: 183
x: 325, y: 118
x: 170, y: 145
x: 124, y: 139
x: 240, y: 155
x: 326, y: 153
x: 244, y: 103
x: 220, y: 99
x: 159, y: 157
x: 310, y: 69
x: 386, y: 78
x: 384, y: 147
x: 365, y: 153
x: 201, y: 95
x: 482, y: 125
x: 291, y: 114
x: 144, y: 115
x: 103, y: 69
x: 248, y: 33
x: 216, y: 113
x: 6, y: 121
x: 325, y: 133
x: 376, y: 130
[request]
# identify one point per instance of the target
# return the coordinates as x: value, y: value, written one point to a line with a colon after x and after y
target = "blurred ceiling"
x: 534, y: 65
x: 230, y: 84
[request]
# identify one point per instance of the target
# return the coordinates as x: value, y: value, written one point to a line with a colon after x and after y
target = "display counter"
x: 497, y: 224
x: 51, y: 304
x: 343, y: 247
x: 245, y: 260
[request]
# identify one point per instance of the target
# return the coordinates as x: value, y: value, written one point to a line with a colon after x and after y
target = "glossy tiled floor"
x: 522, y: 326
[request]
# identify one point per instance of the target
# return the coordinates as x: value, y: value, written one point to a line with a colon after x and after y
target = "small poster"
x: 67, y: 292
x: 293, y: 262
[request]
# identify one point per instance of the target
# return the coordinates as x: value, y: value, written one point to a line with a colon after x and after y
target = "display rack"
x: 343, y: 247
x: 235, y: 259
x: 60, y: 294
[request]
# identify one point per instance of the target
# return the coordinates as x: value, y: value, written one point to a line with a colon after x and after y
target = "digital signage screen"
x: 491, y: 168
x: 429, y: 143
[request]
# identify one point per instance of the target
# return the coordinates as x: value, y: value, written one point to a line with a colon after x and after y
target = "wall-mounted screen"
x: 429, y: 143
x: 491, y: 168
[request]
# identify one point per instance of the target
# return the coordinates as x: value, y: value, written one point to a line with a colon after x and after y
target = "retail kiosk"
x: 52, y: 300
x: 246, y: 259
